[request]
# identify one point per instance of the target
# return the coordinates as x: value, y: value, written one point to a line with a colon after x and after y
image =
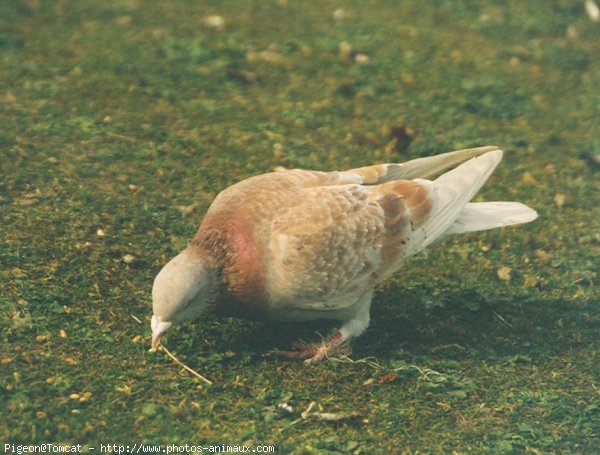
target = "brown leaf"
x: 402, y: 136
x: 503, y: 273
x: 390, y: 377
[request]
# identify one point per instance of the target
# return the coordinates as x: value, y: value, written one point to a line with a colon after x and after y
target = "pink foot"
x: 311, y: 353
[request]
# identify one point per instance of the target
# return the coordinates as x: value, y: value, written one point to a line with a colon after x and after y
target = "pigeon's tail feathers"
x: 452, y: 191
x: 433, y: 165
x: 480, y: 216
x: 419, y: 168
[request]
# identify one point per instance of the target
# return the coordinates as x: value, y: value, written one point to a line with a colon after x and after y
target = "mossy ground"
x: 120, y: 121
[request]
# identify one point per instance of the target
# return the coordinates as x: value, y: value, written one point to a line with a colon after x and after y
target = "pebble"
x: 128, y: 258
x: 215, y: 22
x: 592, y: 10
x: 339, y: 14
x: 284, y: 407
x: 361, y: 59
x: 345, y: 50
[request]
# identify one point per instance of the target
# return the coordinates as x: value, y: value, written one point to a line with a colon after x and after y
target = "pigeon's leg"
x: 338, y: 342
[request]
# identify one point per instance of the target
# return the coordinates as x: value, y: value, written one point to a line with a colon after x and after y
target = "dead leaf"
x: 503, y: 273
x: 336, y: 416
x: 390, y: 377
x: 402, y: 136
x: 542, y: 256
x: 123, y: 389
x: 559, y: 200
x: 530, y: 281
x: 529, y: 179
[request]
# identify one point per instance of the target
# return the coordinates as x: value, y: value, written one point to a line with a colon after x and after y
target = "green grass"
x: 97, y: 96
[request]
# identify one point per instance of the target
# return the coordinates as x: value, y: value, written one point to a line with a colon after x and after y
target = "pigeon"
x: 301, y: 245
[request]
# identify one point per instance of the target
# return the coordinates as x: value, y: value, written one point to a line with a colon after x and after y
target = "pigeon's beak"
x: 159, y: 328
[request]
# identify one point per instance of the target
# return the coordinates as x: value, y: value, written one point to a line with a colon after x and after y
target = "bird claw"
x: 312, y: 353
x: 296, y: 353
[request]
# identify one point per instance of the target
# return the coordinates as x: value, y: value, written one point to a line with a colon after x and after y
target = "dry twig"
x: 179, y: 362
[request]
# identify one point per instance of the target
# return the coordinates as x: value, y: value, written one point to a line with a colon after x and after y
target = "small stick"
x: 503, y: 320
x: 195, y: 373
x: 306, y: 413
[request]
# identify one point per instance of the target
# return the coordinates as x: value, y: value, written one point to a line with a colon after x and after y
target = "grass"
x: 121, y: 120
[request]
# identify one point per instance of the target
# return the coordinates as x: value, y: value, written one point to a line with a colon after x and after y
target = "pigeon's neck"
x: 231, y: 252
x: 211, y: 244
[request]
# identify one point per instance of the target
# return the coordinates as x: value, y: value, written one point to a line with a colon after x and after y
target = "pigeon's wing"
x: 418, y: 168
x: 334, y: 241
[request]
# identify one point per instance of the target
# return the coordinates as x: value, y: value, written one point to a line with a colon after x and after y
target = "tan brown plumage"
x: 302, y: 245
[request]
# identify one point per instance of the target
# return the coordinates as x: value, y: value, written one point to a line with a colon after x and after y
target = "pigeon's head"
x: 181, y: 292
